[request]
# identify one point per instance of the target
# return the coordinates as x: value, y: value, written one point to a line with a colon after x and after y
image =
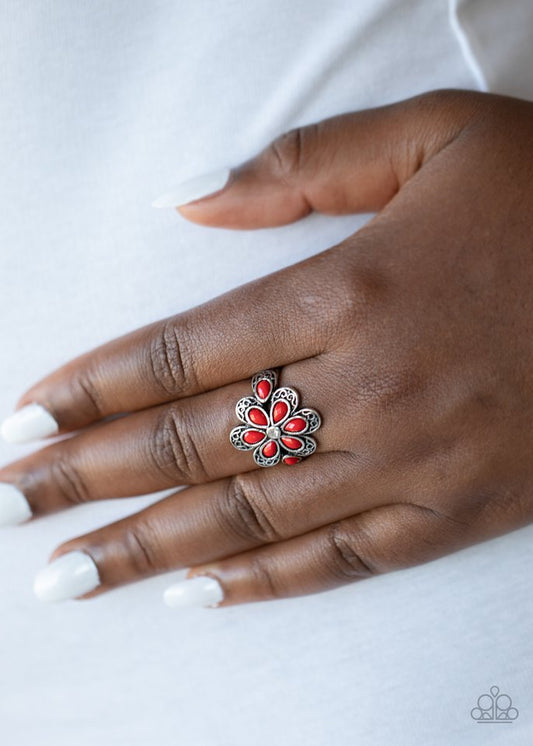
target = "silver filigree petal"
x: 243, y: 408
x: 312, y: 418
x: 287, y: 395
x: 236, y: 440
x: 262, y: 460
x: 309, y: 447
x: 271, y: 377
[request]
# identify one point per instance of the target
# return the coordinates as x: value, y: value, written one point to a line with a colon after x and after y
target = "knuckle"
x: 241, y: 514
x: 174, y: 451
x: 350, y: 290
x: 263, y: 580
x: 139, y: 544
x: 454, y: 100
x: 170, y: 359
x: 68, y: 481
x: 347, y: 559
x: 369, y: 285
x: 287, y: 155
x: 87, y: 395
x: 497, y: 504
x: 363, y: 289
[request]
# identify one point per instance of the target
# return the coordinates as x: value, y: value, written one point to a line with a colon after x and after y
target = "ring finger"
x: 185, y: 442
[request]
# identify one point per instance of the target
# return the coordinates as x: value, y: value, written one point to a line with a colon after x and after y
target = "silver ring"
x: 274, y: 428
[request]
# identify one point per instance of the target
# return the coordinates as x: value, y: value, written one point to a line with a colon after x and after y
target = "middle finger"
x: 182, y: 443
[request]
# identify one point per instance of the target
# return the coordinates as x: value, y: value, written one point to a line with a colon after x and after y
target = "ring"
x: 274, y: 428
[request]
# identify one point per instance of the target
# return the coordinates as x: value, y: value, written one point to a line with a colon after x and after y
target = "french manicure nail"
x: 194, y: 189
x: 69, y: 576
x: 29, y: 423
x: 199, y: 591
x: 14, y: 508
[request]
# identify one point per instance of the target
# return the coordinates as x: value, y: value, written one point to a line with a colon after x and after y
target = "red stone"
x: 295, y: 425
x: 263, y: 389
x: 257, y: 416
x: 280, y: 410
x: 270, y: 449
x: 290, y: 460
x: 293, y: 444
x: 252, y: 436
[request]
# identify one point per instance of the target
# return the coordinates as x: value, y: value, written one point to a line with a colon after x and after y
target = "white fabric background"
x: 102, y: 107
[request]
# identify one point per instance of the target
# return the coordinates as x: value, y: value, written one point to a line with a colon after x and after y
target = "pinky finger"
x: 371, y: 543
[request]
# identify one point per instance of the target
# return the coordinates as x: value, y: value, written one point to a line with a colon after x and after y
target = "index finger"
x: 267, y: 323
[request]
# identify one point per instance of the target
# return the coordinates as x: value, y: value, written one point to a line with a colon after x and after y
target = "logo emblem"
x: 494, y: 707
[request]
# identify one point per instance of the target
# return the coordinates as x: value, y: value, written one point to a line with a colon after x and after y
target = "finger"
x: 267, y: 323
x: 350, y: 163
x: 207, y: 522
x: 388, y: 538
x: 345, y: 164
x: 185, y: 442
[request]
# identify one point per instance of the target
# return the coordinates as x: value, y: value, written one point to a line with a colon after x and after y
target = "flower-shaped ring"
x: 274, y: 428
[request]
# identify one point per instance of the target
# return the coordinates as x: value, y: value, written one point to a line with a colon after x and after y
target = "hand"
x: 413, y: 338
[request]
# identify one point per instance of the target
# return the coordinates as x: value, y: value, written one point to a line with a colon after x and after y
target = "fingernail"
x: 29, y: 423
x: 194, y: 189
x: 68, y: 576
x: 14, y: 508
x: 199, y: 591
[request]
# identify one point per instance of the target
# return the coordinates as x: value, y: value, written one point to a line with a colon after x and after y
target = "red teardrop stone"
x: 270, y: 449
x: 292, y: 443
x: 296, y: 425
x: 252, y: 436
x: 290, y: 460
x: 280, y: 410
x: 257, y: 416
x: 263, y: 389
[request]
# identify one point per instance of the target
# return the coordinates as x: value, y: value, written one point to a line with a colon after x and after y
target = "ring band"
x: 273, y: 426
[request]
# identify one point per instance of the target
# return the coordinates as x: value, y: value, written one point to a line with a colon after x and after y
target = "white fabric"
x: 498, y: 43
x: 103, y: 106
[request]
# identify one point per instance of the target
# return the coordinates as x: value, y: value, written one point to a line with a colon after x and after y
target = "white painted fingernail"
x: 194, y: 189
x: 29, y: 423
x: 199, y: 591
x: 68, y: 576
x: 14, y: 508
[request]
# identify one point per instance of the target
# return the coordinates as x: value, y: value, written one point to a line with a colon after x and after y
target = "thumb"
x: 351, y: 163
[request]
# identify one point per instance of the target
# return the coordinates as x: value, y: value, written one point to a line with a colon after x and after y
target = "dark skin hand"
x: 413, y: 338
